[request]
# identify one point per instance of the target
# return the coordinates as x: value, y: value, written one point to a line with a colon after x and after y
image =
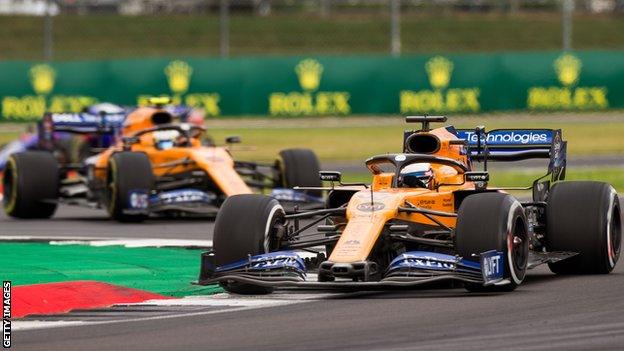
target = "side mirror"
x: 235, y: 139
x: 330, y: 176
x: 477, y: 176
x: 480, y: 179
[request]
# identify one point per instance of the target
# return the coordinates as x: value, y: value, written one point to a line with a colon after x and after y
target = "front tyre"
x: 31, y: 185
x: 129, y: 182
x: 246, y: 225
x: 494, y: 221
x: 584, y: 217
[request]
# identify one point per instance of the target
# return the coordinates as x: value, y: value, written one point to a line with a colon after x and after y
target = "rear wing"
x: 516, y: 145
x: 102, y: 128
x: 83, y: 123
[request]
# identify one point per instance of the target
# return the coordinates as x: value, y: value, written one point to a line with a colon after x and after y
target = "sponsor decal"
x: 508, y: 137
x: 440, y: 97
x: 275, y: 262
x: 32, y: 107
x: 179, y: 74
x: 370, y: 207
x: 477, y: 176
x: 6, y: 314
x: 182, y: 196
x: 569, y: 95
x: 400, y: 158
x: 492, y: 266
x: 430, y: 263
x: 139, y: 200
x: 427, y: 203
x: 86, y: 119
x: 309, y: 101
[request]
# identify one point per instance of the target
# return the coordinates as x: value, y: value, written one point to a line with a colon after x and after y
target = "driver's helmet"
x: 416, y: 175
x: 165, y: 139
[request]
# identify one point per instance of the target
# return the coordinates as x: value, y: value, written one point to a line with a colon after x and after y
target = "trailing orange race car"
x: 156, y: 166
x: 428, y: 216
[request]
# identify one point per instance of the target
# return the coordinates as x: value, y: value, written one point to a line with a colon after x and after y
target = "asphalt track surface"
x: 546, y: 312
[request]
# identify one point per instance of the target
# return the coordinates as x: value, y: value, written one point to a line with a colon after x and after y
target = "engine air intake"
x: 422, y: 143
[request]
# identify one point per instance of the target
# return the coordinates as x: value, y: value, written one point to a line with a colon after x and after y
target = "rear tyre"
x: 584, y: 217
x: 246, y: 225
x: 129, y: 181
x: 31, y: 181
x: 299, y: 167
x: 494, y: 221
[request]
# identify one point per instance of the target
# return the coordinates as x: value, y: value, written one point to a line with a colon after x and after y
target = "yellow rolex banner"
x: 323, y: 85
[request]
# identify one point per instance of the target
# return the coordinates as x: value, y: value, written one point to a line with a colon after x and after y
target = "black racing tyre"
x: 246, y: 225
x: 584, y: 217
x: 299, y: 167
x: 128, y: 184
x: 494, y: 221
x: 31, y: 183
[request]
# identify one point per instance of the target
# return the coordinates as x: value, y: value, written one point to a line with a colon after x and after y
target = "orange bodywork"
x: 366, y: 219
x: 215, y: 161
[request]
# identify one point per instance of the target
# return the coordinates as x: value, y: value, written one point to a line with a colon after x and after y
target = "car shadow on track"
x: 452, y: 290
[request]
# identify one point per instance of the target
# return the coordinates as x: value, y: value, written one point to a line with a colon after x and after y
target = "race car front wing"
x: 286, y: 269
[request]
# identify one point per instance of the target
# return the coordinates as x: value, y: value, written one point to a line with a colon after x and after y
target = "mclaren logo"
x: 310, y: 101
x: 568, y: 95
x: 441, y: 98
x: 179, y: 75
x: 370, y: 207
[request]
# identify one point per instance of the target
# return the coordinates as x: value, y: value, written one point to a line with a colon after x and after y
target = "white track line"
x: 126, y: 242
x: 137, y: 242
x: 219, y: 300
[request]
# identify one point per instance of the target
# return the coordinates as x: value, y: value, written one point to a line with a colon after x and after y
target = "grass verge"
x: 166, y: 271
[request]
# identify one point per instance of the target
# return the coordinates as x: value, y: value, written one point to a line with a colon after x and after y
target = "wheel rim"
x: 276, y: 220
x: 518, y: 242
x: 615, y: 236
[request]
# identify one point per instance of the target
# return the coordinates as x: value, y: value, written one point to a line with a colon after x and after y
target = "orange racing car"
x: 427, y: 217
x: 157, y: 165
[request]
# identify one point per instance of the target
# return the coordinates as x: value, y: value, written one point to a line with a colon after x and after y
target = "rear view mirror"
x: 477, y: 176
x: 330, y: 176
x: 235, y: 139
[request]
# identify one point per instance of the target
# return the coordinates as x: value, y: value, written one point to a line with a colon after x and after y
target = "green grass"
x: 166, y: 271
x: 111, y: 36
x: 519, y: 178
x: 354, y: 140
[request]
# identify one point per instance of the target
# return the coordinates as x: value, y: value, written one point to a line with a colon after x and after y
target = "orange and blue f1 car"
x: 428, y: 216
x: 151, y: 164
